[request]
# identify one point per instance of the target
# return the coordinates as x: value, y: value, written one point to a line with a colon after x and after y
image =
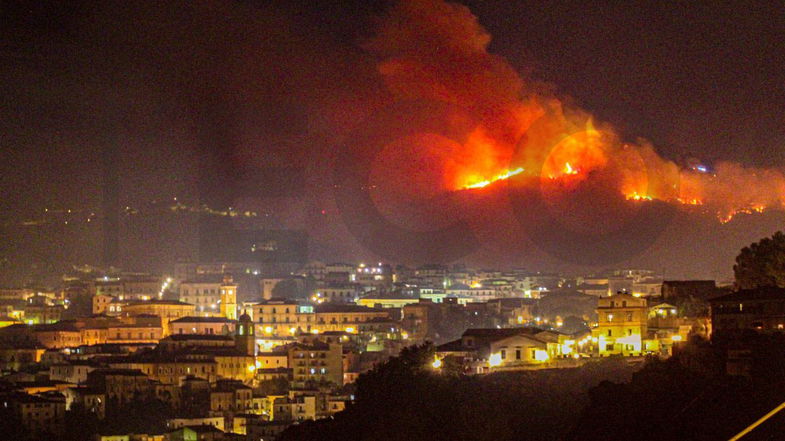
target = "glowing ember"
x: 751, y: 210
x: 568, y: 170
x: 506, y: 175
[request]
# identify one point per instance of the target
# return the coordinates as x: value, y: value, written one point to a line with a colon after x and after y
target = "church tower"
x: 229, y: 298
x: 244, y: 338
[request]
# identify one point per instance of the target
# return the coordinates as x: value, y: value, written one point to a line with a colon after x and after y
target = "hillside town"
x: 231, y: 353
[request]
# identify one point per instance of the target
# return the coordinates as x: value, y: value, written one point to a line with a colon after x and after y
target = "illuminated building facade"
x: 167, y: 310
x: 228, y: 304
x: 202, y: 325
x: 317, y: 363
x: 101, y: 303
x: 482, y: 349
x: 283, y: 317
x: 372, y: 276
x: 622, y: 325
x: 204, y: 295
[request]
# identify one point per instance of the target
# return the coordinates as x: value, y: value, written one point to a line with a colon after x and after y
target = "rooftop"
x: 187, y: 337
x: 191, y: 319
x: 333, y: 307
x: 763, y: 293
x: 160, y: 302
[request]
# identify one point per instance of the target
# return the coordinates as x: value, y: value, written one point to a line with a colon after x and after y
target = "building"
x: 295, y: 408
x: 272, y: 360
x: 120, y: 385
x: 245, y: 337
x: 267, y: 285
x: 316, y: 363
x: 386, y: 299
x: 228, y: 306
x: 202, y: 325
x: 419, y: 319
x: 177, y: 342
x: 593, y: 289
x: 40, y: 309
x: 204, y: 293
x: 195, y: 433
x: 512, y: 310
x: 475, y: 293
x: 348, y: 318
x: 378, y: 276
x: 16, y: 355
x: 760, y: 310
x: 173, y: 368
x: 338, y: 293
x: 168, y: 310
x: 283, y: 317
x: 622, y: 325
x: 101, y: 304
x: 683, y: 289
x: 143, y: 287
x: 216, y: 421
x: 39, y: 414
x: 89, y: 398
x: 481, y: 349
x: 74, y: 372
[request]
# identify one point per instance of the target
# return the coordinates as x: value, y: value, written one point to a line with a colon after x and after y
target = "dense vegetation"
x: 762, y: 263
x: 687, y: 397
x: 405, y: 399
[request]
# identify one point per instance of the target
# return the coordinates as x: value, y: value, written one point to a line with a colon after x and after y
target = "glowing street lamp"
x: 436, y: 363
x: 495, y: 360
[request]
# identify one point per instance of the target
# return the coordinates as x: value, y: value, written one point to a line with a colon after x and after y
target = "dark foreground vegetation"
x: 687, y: 397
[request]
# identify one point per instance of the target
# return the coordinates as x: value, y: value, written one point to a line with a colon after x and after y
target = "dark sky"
x: 207, y: 92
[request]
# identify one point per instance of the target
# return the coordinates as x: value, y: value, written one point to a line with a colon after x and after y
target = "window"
x: 629, y: 332
x: 629, y: 316
x: 610, y: 333
x: 504, y: 354
x: 517, y: 354
x: 609, y: 347
x: 624, y: 304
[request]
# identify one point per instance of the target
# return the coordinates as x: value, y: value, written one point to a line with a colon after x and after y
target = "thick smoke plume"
x: 433, y: 50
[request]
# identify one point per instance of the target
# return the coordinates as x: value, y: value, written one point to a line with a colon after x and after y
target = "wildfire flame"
x: 506, y: 175
x: 634, y: 196
x: 434, y: 50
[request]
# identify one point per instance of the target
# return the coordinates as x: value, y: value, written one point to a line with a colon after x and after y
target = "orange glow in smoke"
x: 438, y: 51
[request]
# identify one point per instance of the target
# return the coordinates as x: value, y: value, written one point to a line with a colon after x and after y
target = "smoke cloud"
x: 434, y: 50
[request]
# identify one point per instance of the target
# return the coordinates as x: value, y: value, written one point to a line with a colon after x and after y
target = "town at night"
x: 403, y: 220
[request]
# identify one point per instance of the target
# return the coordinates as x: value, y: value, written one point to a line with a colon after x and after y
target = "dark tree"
x: 762, y: 263
x: 574, y: 324
x: 276, y: 386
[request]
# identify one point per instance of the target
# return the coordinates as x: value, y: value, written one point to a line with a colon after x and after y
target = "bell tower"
x: 244, y: 338
x: 229, y: 298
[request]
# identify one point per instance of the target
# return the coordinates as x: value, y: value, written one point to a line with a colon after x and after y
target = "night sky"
x: 249, y: 103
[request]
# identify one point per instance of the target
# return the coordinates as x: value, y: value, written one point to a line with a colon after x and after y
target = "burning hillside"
x: 515, y: 130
